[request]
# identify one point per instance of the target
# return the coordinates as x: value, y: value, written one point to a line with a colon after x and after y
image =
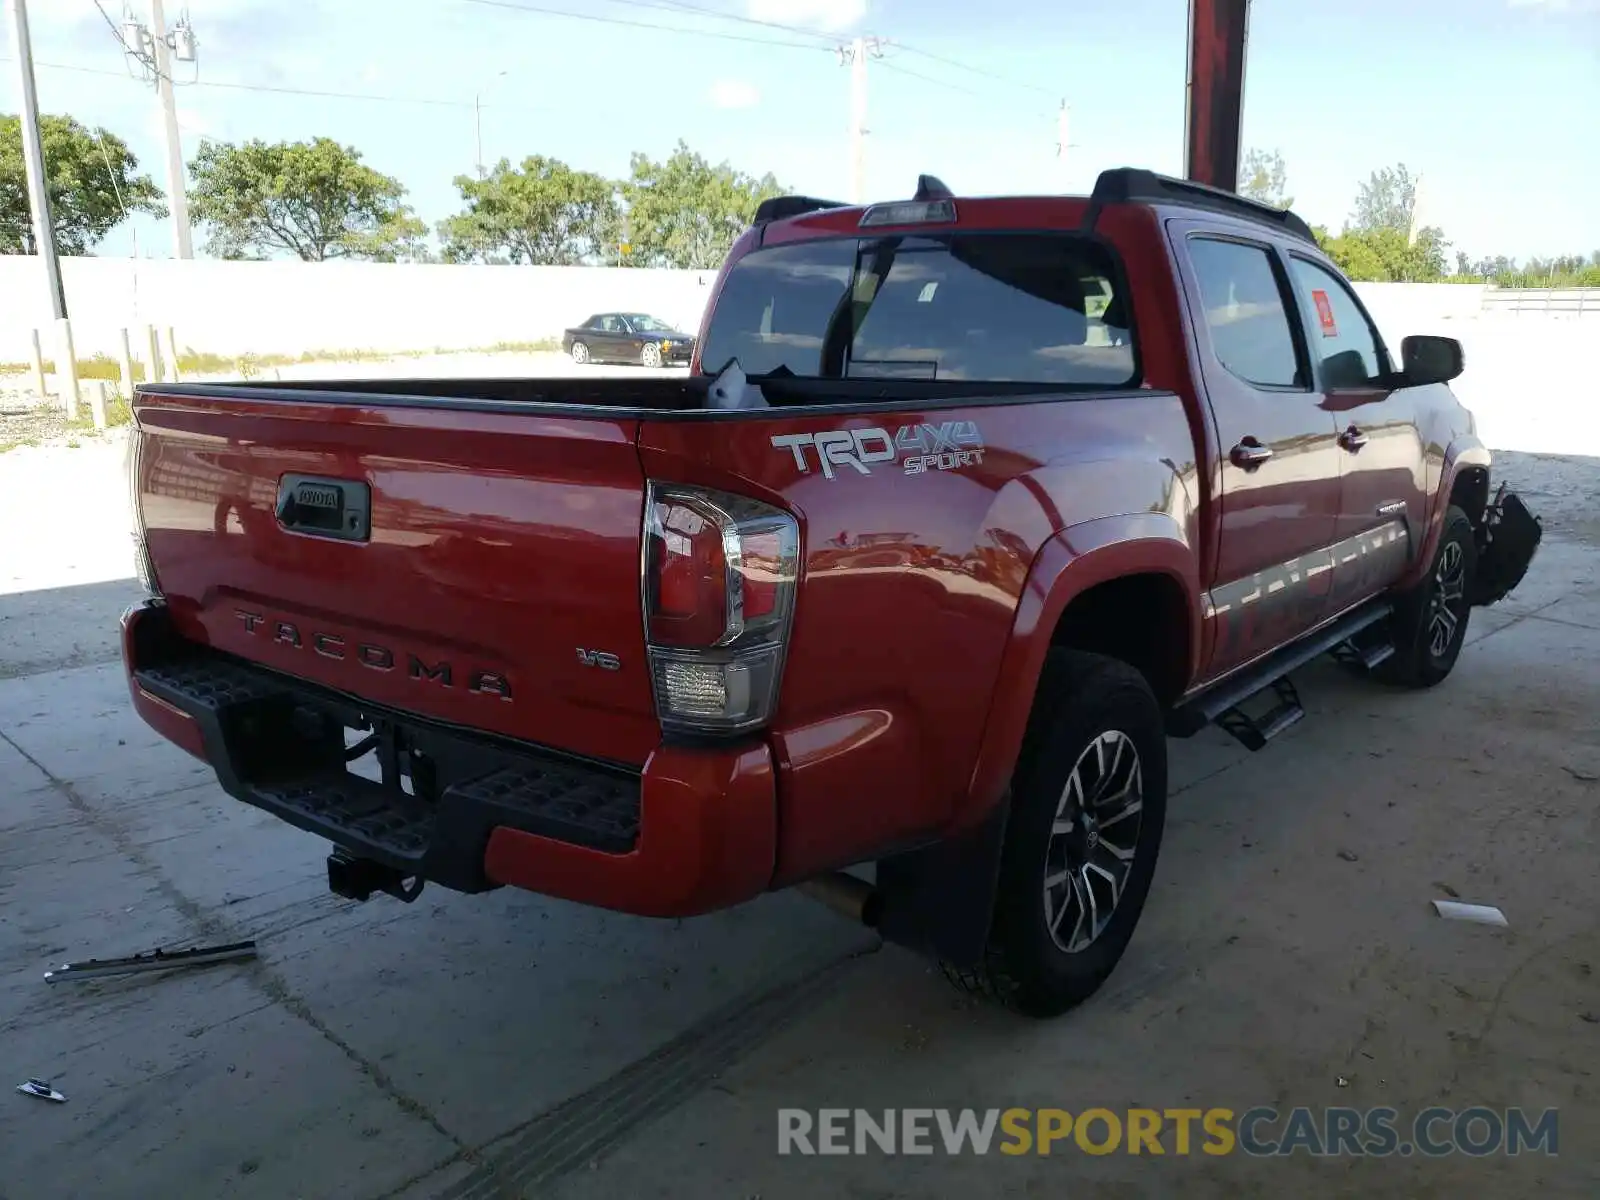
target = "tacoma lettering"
x: 378, y: 657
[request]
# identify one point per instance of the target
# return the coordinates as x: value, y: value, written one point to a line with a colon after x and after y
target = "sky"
x: 1496, y: 103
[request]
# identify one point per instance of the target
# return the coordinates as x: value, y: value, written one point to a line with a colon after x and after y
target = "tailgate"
x: 480, y: 568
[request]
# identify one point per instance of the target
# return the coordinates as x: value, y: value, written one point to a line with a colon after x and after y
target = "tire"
x: 1430, y: 621
x: 1089, y: 710
x: 650, y: 356
x: 580, y: 353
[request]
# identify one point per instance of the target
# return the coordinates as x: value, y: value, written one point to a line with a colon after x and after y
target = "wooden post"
x: 153, y: 373
x: 172, y: 356
x: 127, y: 367
x: 67, y: 368
x: 97, y: 400
x: 38, y: 369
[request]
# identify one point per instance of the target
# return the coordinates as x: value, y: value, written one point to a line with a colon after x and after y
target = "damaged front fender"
x: 1508, y: 535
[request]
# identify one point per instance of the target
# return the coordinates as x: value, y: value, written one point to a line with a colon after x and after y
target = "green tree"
x: 686, y: 212
x: 542, y: 212
x: 1263, y: 177
x: 91, y: 178
x: 1385, y: 201
x: 316, y: 200
x: 1386, y: 255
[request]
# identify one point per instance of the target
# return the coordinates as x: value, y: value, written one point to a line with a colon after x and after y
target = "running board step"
x: 1353, y: 653
x: 1227, y: 694
x: 1253, y: 733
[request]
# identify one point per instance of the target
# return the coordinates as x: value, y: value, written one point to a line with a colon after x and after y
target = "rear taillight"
x: 719, y: 584
x: 141, y: 552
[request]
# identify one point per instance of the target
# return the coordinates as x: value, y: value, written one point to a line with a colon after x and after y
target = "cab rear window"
x: 992, y: 308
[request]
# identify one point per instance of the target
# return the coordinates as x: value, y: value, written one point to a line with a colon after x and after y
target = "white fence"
x: 290, y: 307
x: 233, y: 308
x: 1576, y: 302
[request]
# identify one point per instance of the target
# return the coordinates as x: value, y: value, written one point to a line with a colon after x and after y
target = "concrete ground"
x: 507, y: 1045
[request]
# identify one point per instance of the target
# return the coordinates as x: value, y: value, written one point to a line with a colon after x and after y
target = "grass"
x: 47, y: 423
x: 248, y: 366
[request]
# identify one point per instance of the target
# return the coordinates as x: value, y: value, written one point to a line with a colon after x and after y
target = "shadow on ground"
x: 55, y: 629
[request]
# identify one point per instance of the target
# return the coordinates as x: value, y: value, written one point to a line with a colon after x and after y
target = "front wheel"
x: 1430, y: 621
x: 650, y: 356
x: 580, y: 353
x: 1088, y: 804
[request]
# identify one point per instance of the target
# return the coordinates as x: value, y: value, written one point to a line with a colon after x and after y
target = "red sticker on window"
x: 1330, y: 328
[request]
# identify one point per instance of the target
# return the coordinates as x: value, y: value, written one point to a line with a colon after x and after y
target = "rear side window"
x: 1245, y: 312
x: 990, y: 308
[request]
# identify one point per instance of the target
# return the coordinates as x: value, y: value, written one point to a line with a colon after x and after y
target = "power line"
x: 944, y: 83
x: 710, y: 33
x: 961, y: 66
x: 719, y: 15
x: 262, y: 87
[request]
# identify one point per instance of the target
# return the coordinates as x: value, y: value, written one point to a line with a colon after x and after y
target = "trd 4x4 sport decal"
x: 919, y: 448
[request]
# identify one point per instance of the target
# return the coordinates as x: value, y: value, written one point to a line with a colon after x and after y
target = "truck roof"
x: 1120, y: 185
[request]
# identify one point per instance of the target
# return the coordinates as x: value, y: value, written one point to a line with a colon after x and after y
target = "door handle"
x: 1249, y: 454
x: 1352, y: 439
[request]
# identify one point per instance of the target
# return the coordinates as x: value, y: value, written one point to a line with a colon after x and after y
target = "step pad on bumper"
x: 280, y: 744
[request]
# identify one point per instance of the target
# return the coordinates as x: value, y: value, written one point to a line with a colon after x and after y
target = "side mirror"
x: 1425, y: 358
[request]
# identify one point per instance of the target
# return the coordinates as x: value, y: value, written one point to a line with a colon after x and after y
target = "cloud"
x: 1558, y: 6
x: 822, y: 14
x: 734, y: 93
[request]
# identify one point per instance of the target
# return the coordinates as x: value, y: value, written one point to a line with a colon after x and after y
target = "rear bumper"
x: 694, y: 830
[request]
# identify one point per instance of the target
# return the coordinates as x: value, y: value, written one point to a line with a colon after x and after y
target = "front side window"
x: 1340, y: 334
x: 647, y: 324
x: 990, y: 308
x: 1246, y: 314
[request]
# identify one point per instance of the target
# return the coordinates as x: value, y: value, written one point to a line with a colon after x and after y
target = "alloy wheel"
x: 1093, y: 840
x: 1445, y: 606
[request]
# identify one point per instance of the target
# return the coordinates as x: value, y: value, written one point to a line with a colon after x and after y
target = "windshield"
x: 1017, y: 308
x: 648, y: 324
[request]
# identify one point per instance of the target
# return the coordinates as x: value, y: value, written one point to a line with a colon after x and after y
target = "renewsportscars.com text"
x: 1259, y: 1132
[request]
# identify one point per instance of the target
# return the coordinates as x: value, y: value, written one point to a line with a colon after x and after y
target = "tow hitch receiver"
x: 357, y: 878
x: 1508, y: 535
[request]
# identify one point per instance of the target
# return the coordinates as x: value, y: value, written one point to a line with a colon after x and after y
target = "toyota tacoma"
x: 964, y: 507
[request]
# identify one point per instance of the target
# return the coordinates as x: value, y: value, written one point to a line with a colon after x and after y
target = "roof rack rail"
x: 779, y: 208
x: 1121, y: 185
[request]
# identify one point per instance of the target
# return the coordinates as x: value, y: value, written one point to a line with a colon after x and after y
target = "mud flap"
x: 939, y: 900
x: 1508, y: 535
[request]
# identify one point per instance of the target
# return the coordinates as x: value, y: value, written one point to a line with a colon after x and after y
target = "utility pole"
x: 1061, y: 143
x: 477, y: 120
x: 1415, y: 224
x: 855, y: 55
x: 44, y: 231
x: 176, y: 193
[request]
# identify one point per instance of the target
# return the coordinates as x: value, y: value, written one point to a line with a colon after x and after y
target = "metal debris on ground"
x: 159, y: 960
x: 41, y: 1089
x: 1481, y: 914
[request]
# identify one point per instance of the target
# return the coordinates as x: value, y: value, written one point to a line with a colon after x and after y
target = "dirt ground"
x: 506, y: 1045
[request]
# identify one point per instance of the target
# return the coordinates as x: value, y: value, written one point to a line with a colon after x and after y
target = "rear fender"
x: 940, y: 900
x: 1068, y: 565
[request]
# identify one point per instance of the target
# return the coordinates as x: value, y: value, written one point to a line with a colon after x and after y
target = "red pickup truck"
x: 964, y: 507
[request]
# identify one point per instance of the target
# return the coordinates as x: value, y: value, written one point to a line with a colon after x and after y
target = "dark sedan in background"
x: 627, y: 337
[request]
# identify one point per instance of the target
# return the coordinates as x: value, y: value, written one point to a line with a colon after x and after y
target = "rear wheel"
x: 650, y: 356
x: 1088, y: 806
x: 1430, y: 621
x: 580, y: 353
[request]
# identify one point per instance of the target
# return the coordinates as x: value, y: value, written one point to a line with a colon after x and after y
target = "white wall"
x: 292, y: 307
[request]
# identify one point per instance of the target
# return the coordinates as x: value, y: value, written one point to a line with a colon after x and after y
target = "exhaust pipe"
x: 847, y: 895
